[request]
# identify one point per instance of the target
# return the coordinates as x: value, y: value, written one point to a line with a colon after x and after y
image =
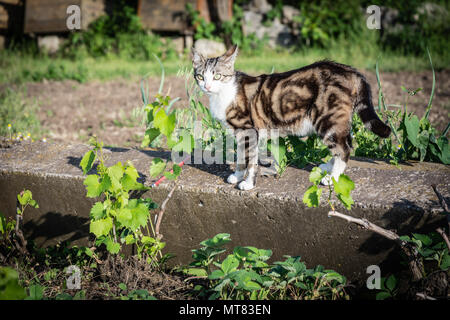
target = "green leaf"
x: 150, y: 135
x: 87, y: 161
x: 9, y: 285
x: 122, y: 286
x: 344, y: 185
x: 278, y: 150
x: 185, y: 144
x: 426, y: 240
x: 36, y: 292
x: 217, y: 241
x: 165, y: 124
x: 101, y: 227
x: 112, y: 247
x: 316, y: 175
x: 92, y: 186
x: 25, y: 197
x: 157, y: 167
x: 97, y: 211
x: 445, y: 263
x: 198, y: 272
x: 412, y: 129
x: 115, y: 173
x: 391, y: 283
x: 173, y: 175
x: 139, y: 212
x: 347, y: 201
x: 216, y: 274
x: 312, y: 196
x: 383, y: 295
x: 230, y: 264
x: 124, y: 216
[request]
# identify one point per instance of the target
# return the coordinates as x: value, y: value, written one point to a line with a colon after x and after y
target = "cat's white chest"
x: 219, y: 102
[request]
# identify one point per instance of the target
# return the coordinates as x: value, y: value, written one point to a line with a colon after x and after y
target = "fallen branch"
x: 415, y: 265
x: 424, y: 296
x: 163, y: 209
x: 444, y: 206
x: 444, y: 236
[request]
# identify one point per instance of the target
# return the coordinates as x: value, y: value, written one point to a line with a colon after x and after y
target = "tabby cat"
x: 319, y: 98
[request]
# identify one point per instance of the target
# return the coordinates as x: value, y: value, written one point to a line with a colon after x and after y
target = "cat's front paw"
x: 233, y: 178
x: 326, y: 181
x: 246, y: 185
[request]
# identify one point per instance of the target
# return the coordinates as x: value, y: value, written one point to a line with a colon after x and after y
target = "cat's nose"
x: 207, y: 86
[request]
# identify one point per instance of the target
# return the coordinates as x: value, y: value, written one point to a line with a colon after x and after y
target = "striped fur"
x: 319, y: 98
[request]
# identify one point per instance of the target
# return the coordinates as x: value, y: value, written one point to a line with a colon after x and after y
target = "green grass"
x: 18, y: 115
x: 20, y: 68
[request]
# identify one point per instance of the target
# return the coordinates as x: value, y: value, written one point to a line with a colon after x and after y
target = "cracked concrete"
x: 271, y: 216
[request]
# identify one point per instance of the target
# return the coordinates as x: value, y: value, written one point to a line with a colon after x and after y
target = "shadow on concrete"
x: 56, y: 226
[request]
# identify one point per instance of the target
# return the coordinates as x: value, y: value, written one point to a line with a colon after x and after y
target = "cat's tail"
x: 364, y: 107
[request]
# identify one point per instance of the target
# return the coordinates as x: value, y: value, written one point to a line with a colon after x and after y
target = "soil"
x: 71, y: 112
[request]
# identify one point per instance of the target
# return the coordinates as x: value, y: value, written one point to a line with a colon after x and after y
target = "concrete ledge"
x: 271, y: 216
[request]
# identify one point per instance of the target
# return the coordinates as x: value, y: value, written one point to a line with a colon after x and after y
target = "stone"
x: 289, y: 12
x: 210, y: 48
x: 279, y: 34
x: 2, y: 42
x: 260, y: 6
x: 49, y: 44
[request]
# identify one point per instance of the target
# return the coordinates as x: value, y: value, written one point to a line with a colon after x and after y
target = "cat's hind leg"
x: 340, y: 147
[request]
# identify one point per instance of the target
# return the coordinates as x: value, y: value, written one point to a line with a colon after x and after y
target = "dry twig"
x: 415, y: 265
x: 163, y: 209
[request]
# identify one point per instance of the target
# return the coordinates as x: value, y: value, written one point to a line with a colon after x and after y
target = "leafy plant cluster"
x: 119, y: 219
x: 412, y: 138
x: 120, y: 33
x: 229, y: 31
x: 246, y: 274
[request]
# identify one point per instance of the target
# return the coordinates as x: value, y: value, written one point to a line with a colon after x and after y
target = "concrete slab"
x: 271, y: 216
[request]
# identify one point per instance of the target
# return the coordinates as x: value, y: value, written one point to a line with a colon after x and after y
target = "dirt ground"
x: 71, y: 112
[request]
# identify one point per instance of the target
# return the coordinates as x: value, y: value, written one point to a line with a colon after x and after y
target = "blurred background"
x: 68, y: 74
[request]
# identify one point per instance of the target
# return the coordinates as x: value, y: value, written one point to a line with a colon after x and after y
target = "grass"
x: 22, y: 67
x: 18, y: 116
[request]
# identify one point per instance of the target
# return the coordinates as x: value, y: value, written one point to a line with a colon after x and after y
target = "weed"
x: 245, y: 274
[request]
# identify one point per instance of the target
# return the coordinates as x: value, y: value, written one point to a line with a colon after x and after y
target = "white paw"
x: 233, y: 178
x: 326, y: 181
x: 246, y: 185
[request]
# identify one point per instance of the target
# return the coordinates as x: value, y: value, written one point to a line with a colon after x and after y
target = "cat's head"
x: 214, y: 74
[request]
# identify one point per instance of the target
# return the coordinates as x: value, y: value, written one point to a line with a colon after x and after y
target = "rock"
x: 389, y: 17
x: 50, y: 44
x: 289, y: 12
x: 431, y: 10
x: 209, y: 48
x: 253, y: 24
x: 260, y: 6
x: 279, y: 34
x: 2, y: 42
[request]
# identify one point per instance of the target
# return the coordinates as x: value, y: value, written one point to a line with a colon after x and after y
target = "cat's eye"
x: 199, y: 77
x: 217, y: 76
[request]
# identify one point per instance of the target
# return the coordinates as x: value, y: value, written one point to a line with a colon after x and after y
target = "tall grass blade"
x: 161, y: 84
x: 432, y: 88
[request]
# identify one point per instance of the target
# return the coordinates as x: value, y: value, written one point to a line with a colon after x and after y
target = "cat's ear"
x: 197, y: 58
x: 230, y: 55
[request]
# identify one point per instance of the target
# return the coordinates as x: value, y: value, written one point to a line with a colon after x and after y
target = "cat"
x: 319, y: 98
